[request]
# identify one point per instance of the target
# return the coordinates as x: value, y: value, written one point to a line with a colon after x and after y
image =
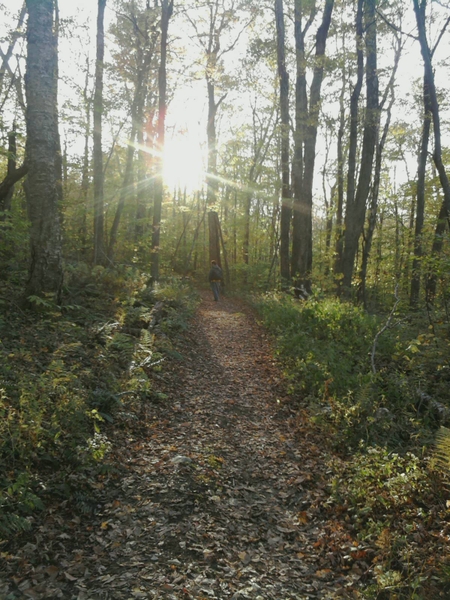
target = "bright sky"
x: 186, y: 117
x: 185, y: 120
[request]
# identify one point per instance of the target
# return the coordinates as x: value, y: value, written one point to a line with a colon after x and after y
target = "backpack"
x: 216, y: 272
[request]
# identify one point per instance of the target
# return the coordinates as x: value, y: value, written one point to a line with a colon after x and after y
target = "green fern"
x: 442, y: 450
x: 12, y: 523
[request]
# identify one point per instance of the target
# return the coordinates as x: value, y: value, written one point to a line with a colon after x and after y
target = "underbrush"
x: 378, y: 401
x: 69, y: 374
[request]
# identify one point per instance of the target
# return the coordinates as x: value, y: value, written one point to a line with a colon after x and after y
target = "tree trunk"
x: 372, y: 220
x: 85, y: 172
x: 212, y: 144
x: 356, y: 209
x: 41, y: 85
x: 166, y: 13
x: 142, y: 188
x: 444, y: 214
x: 5, y: 202
x: 339, y: 235
x: 420, y: 199
x: 286, y: 208
x: 308, y: 123
x: 214, y: 239
x: 98, y: 175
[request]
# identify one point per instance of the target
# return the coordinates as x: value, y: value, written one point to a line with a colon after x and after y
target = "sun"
x: 183, y: 162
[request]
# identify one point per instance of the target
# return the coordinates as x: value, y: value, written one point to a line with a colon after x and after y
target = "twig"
x: 383, y: 329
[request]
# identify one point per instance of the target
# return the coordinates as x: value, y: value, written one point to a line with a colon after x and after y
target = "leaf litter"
x: 218, y: 492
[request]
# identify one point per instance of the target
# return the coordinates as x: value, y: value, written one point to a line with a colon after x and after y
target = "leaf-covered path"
x: 220, y: 492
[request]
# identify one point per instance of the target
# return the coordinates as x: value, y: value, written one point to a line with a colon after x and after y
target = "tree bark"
x: 356, y: 210
x: 380, y: 144
x: 6, y: 197
x: 339, y: 233
x: 214, y: 238
x: 98, y: 174
x: 166, y: 8
x: 8, y: 184
x: 307, y: 120
x: 42, y: 145
x: 420, y: 199
x: 7, y: 55
x: 286, y: 207
x: 444, y: 214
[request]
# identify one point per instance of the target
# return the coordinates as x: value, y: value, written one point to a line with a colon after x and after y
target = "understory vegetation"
x: 374, y: 386
x: 377, y: 386
x: 71, y: 373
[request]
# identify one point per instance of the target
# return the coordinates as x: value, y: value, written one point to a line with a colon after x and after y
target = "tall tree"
x: 286, y: 206
x: 98, y: 175
x: 420, y: 198
x: 42, y: 145
x: 212, y: 21
x: 356, y: 206
x: 374, y: 192
x: 139, y: 27
x: 166, y: 13
x: 307, y: 121
x: 427, y: 56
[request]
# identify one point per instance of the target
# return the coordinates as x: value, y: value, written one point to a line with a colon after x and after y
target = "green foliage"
x: 66, y: 372
x: 17, y: 503
x: 324, y: 345
x: 442, y: 451
x: 385, y: 497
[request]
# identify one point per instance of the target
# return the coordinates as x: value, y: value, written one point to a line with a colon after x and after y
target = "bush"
x: 324, y: 345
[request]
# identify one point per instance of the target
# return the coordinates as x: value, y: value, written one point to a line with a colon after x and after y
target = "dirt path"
x: 220, y: 494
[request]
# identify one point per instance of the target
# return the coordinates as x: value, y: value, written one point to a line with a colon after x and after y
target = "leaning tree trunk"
x: 41, y: 86
x: 13, y: 174
x: 167, y: 8
x: 98, y: 175
x: 286, y: 209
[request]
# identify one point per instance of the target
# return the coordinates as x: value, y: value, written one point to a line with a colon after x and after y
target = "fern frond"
x: 442, y: 450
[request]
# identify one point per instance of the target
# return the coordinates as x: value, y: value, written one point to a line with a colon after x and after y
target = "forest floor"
x: 218, y: 490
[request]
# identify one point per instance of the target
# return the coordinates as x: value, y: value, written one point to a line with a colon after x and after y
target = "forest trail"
x: 220, y: 493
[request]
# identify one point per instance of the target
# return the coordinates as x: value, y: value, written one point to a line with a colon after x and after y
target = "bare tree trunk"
x: 214, y: 240
x: 307, y: 121
x: 356, y: 210
x: 372, y: 220
x: 166, y: 8
x: 353, y: 145
x: 286, y: 208
x: 41, y: 84
x: 444, y: 215
x: 98, y: 175
x: 420, y: 199
x: 5, y: 203
x: 85, y: 172
x: 339, y: 235
x: 10, y: 180
x: 212, y: 143
x: 142, y: 188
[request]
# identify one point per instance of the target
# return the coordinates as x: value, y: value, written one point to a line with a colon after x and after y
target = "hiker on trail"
x: 215, y: 278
